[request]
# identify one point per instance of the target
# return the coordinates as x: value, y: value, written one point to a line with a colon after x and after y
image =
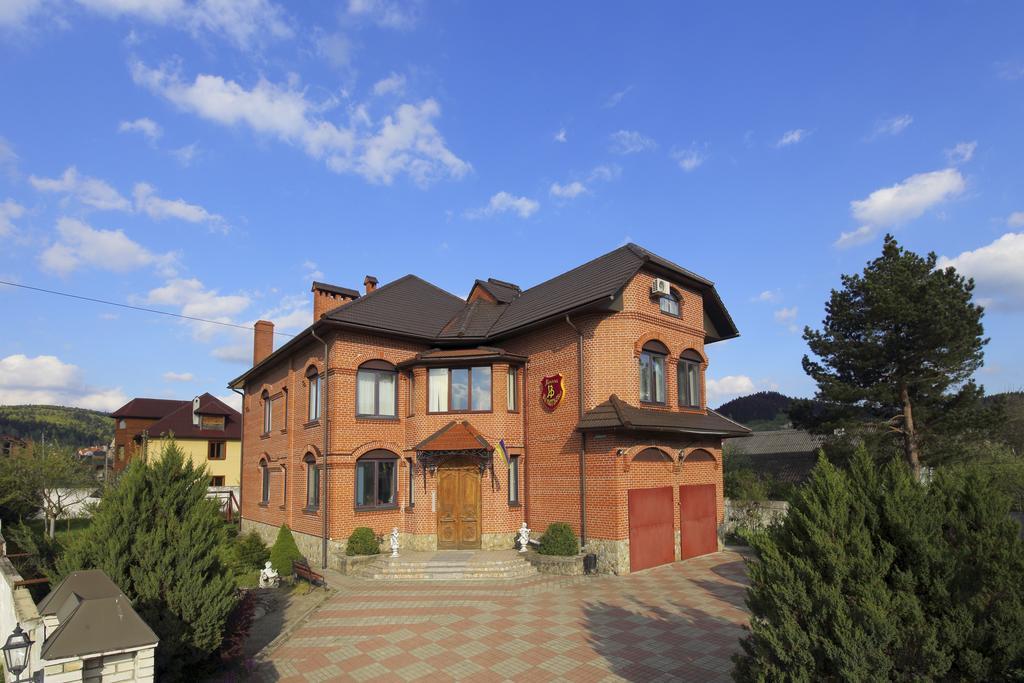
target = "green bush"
x: 362, y: 542
x: 559, y: 539
x: 874, y: 576
x: 284, y: 551
x: 249, y: 552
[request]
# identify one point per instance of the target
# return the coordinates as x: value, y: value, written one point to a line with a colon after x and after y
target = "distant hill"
x: 761, y: 411
x: 73, y: 427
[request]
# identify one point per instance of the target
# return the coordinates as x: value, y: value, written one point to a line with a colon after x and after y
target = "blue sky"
x: 212, y: 158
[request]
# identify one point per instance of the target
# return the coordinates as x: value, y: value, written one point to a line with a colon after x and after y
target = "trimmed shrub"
x: 559, y: 539
x: 284, y: 551
x: 362, y: 542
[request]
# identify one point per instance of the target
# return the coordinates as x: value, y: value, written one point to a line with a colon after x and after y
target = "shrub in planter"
x: 362, y: 542
x: 284, y: 551
x: 559, y: 539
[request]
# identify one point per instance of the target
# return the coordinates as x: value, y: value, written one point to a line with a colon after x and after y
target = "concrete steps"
x: 453, y: 566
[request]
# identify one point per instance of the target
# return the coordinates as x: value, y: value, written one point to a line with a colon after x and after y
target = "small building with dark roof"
x: 580, y: 399
x: 93, y: 632
x: 785, y: 455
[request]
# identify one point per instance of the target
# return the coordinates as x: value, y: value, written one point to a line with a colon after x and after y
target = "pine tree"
x: 895, y: 342
x: 284, y: 551
x: 158, y: 538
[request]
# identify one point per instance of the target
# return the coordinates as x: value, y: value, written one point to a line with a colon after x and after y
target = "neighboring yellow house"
x: 209, y: 432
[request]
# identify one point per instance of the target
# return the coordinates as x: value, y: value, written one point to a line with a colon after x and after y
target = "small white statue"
x: 269, y: 578
x: 394, y: 542
x: 524, y: 537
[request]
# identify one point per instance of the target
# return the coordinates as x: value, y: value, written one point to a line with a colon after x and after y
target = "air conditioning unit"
x: 660, y: 287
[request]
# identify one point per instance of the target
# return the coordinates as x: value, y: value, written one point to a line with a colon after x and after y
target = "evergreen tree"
x: 157, y: 536
x: 284, y: 552
x: 898, y: 345
x: 874, y: 576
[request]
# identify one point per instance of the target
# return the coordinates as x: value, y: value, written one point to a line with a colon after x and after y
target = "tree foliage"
x: 50, y: 480
x: 158, y: 537
x: 874, y: 576
x: 70, y: 427
x: 284, y: 551
x: 898, y: 346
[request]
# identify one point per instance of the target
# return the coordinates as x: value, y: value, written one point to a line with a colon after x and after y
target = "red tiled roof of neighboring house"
x: 179, y: 422
x: 153, y: 408
x: 455, y: 436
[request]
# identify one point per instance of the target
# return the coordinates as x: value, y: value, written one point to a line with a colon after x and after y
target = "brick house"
x: 578, y: 400
x: 207, y: 430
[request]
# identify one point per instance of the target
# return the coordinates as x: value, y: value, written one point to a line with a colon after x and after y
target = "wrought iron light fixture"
x: 16, y: 652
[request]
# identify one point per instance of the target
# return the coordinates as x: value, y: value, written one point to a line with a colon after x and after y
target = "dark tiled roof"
x: 153, y: 408
x: 786, y: 455
x: 94, y: 616
x: 503, y: 292
x: 335, y: 289
x: 179, y: 422
x: 473, y: 321
x: 443, y: 356
x: 616, y: 414
x: 455, y: 436
x: 409, y: 306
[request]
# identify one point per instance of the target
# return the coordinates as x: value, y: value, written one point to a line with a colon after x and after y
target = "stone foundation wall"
x: 499, y: 541
x: 612, y: 556
x: 310, y: 546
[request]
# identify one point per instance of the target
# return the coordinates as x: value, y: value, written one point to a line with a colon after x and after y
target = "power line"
x: 134, y: 308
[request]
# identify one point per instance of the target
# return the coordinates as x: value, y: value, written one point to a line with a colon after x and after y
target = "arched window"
x: 313, y: 379
x: 669, y: 303
x: 376, y: 483
x: 376, y: 381
x: 652, y: 372
x: 312, y: 482
x: 268, y: 412
x: 652, y: 455
x: 264, y: 482
x: 689, y: 376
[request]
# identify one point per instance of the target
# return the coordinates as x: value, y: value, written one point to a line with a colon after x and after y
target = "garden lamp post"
x: 16, y: 652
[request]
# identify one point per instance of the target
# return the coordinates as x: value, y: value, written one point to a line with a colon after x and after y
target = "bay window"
x: 459, y: 389
x: 652, y: 372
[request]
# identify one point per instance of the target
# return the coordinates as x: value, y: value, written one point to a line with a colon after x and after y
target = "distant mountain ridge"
x: 71, y: 427
x: 761, y: 411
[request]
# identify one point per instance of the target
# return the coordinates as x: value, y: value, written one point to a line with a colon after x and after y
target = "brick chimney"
x: 370, y: 283
x: 262, y: 341
x: 328, y: 297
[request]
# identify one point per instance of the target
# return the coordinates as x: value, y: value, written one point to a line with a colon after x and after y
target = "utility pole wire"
x: 134, y: 308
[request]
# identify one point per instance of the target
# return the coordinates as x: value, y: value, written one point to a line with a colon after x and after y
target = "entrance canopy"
x: 455, y: 438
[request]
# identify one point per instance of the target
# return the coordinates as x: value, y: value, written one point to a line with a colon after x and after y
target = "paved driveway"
x: 679, y: 621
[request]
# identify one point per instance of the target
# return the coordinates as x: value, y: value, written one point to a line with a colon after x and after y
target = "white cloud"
x: 728, y: 388
x: 1010, y: 71
x: 192, y: 298
x: 148, y: 127
x: 569, y: 190
x: 9, y: 210
x: 232, y: 399
x: 312, y: 271
x: 605, y: 172
x: 89, y: 191
x: 336, y: 48
x: 503, y: 202
x: 385, y: 13
x: 48, y: 380
x: 792, y: 137
x: 997, y: 269
x: 769, y: 295
x: 79, y: 245
x: 902, y: 202
x: 7, y: 156
x: 395, y: 83
x: 185, y: 155
x: 560, y: 136
x: 235, y: 353
x: 157, y: 208
x: 962, y: 152
x: 630, y: 142
x: 405, y: 141
x: 178, y: 376
x: 689, y: 159
x: 13, y: 13
x: 616, y: 97
x: 243, y: 22
x: 893, y: 126
x: 1015, y: 219
x: 785, y: 315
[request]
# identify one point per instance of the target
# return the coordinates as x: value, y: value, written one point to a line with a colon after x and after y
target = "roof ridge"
x: 582, y: 265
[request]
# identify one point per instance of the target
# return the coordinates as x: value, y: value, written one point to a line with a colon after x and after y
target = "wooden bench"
x: 303, y: 571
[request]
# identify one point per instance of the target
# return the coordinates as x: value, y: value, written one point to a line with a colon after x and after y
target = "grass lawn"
x: 66, y: 528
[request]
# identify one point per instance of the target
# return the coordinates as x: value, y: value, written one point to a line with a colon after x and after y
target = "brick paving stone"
x: 676, y: 622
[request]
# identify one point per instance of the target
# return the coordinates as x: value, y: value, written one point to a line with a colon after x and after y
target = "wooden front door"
x: 458, y: 507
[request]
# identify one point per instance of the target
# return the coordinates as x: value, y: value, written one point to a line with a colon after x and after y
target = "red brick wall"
x: 123, y: 437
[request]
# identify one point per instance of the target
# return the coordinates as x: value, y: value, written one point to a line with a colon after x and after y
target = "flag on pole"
x: 503, y: 451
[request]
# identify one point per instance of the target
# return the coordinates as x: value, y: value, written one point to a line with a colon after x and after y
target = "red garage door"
x: 697, y: 519
x: 651, y: 528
